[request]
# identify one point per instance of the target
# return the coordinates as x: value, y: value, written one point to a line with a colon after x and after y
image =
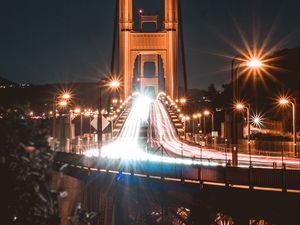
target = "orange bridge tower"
x: 139, y: 47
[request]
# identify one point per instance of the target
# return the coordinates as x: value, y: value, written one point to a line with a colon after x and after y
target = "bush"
x: 25, y: 168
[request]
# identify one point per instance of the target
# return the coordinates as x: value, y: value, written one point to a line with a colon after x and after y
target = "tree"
x: 25, y: 168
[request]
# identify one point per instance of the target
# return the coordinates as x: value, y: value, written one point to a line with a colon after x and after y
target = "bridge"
x: 149, y: 154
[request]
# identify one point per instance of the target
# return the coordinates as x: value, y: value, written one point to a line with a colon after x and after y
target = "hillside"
x: 6, y: 83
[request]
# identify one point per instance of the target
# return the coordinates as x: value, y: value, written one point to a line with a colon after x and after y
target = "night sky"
x: 49, y: 41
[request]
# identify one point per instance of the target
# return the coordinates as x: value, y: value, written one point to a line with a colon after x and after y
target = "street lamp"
x: 292, y: 101
x: 207, y: 113
x: 199, y: 116
x: 182, y: 101
x: 253, y: 64
x: 256, y: 120
x: 61, y: 100
x: 194, y: 118
x: 63, y: 103
x: 185, y: 118
x: 77, y: 112
x: 114, y: 84
x: 241, y: 106
x: 66, y: 96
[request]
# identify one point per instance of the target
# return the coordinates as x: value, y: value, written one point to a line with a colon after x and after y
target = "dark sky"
x: 46, y: 41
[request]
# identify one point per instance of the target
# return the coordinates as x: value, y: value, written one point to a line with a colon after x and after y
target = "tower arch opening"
x: 160, y: 48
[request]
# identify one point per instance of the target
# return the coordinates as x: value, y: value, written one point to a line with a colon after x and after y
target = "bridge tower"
x: 149, y: 47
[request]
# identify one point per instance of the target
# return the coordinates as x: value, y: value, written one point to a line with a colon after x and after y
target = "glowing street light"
x: 63, y: 103
x: 256, y: 120
x: 60, y: 99
x: 241, y: 106
x: 114, y: 84
x: 199, y: 116
x: 194, y: 118
x: 254, y: 63
x: 286, y: 101
x: 77, y: 110
x: 66, y: 96
x: 182, y: 100
x: 283, y: 101
x: 207, y: 113
x: 185, y: 119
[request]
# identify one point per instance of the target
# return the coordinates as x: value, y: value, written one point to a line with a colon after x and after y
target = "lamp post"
x: 242, y: 106
x: 206, y: 113
x: 253, y: 63
x: 77, y: 112
x: 292, y: 101
x: 199, y: 116
x: 60, y: 99
x: 185, y: 119
x: 234, y: 75
x: 113, y: 84
x: 182, y: 102
x: 54, y: 118
x: 99, y: 121
x: 194, y: 118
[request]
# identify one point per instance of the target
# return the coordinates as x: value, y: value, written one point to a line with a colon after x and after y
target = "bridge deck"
x: 234, y: 177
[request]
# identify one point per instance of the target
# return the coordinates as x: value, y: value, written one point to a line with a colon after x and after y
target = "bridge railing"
x: 248, y: 178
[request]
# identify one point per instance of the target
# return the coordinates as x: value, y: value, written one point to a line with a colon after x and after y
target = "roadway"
x: 163, y: 135
x: 164, y: 144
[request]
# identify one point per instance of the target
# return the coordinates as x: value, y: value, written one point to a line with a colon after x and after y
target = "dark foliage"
x: 25, y: 168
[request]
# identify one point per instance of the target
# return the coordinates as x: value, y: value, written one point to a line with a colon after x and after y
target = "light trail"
x: 128, y: 147
x: 163, y: 135
x: 127, y: 144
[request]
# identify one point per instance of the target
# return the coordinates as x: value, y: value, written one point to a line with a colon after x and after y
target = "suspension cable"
x: 182, y: 49
x: 112, y: 62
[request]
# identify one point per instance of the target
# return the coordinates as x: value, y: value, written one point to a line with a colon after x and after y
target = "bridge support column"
x: 164, y: 213
x: 97, y: 201
x: 199, y: 215
x: 121, y: 210
x: 241, y: 221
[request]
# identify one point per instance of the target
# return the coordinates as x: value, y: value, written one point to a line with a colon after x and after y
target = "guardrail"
x: 235, y: 177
